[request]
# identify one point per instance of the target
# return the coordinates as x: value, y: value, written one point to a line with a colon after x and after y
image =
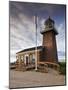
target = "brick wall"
x: 50, y: 52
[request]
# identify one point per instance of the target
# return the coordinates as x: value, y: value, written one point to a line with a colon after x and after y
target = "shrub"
x: 62, y: 68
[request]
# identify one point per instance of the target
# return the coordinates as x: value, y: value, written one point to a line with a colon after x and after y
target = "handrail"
x: 47, y: 63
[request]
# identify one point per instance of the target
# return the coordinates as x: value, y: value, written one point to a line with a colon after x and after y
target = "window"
x: 33, y: 58
x: 22, y: 58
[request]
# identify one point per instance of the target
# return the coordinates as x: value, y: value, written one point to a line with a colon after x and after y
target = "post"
x: 36, y: 44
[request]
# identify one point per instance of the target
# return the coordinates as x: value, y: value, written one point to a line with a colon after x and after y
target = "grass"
x: 62, y: 68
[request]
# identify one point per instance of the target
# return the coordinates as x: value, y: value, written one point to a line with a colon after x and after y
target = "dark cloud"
x: 31, y: 9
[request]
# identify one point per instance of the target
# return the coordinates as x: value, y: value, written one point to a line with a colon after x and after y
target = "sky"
x: 22, y: 26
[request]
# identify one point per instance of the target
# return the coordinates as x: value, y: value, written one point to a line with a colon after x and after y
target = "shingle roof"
x: 30, y: 49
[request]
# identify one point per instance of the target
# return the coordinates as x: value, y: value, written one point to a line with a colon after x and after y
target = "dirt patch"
x: 33, y: 79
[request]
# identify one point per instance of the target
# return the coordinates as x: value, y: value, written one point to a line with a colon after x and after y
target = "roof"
x: 49, y: 29
x: 49, y: 20
x: 30, y: 49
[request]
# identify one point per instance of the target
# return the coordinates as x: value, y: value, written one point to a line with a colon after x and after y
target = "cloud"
x: 60, y: 53
x: 61, y: 56
x: 61, y: 37
x: 21, y: 33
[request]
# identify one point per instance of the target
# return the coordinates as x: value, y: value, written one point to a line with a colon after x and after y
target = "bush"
x: 62, y: 68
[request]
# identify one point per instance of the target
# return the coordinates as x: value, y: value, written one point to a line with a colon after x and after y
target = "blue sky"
x: 22, y: 26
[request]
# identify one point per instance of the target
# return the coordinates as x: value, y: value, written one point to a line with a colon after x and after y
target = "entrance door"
x: 26, y: 60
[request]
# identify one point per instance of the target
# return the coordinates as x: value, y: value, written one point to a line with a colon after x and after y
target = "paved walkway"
x: 33, y: 79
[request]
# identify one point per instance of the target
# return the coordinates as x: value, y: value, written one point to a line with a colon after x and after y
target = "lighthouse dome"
x: 49, y: 20
x: 49, y: 26
x: 49, y: 23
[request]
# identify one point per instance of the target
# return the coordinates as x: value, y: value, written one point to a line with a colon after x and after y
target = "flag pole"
x: 36, y: 43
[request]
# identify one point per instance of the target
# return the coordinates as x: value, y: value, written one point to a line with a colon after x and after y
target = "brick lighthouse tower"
x: 49, y: 42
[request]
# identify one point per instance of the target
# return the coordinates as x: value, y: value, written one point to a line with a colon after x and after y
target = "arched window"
x: 22, y: 58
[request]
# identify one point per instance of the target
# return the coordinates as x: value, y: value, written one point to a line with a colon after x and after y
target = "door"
x: 26, y: 60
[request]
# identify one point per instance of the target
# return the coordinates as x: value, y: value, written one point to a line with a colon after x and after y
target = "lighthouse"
x: 49, y: 41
